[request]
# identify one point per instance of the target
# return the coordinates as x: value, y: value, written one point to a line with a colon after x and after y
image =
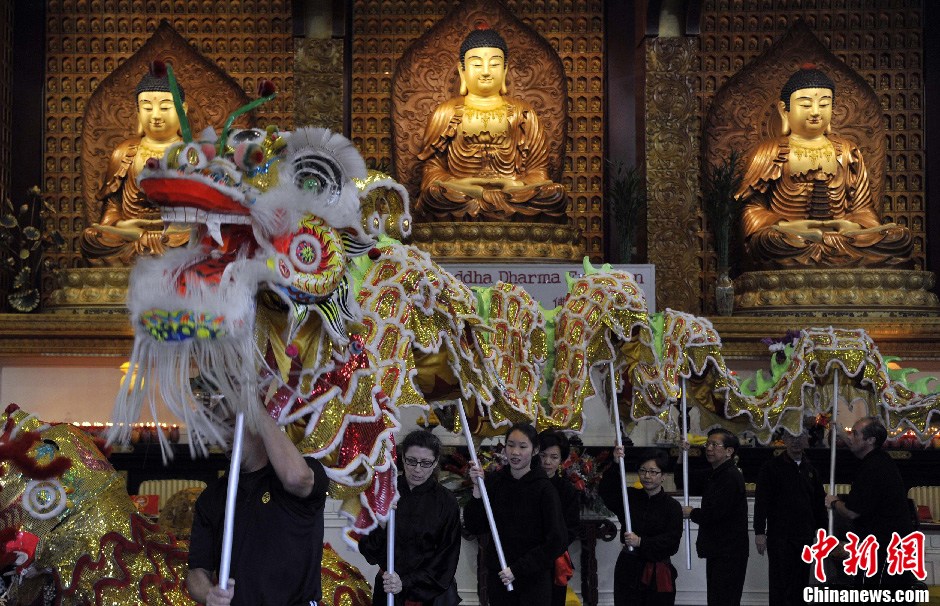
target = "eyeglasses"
x: 714, y: 444
x: 412, y: 462
x: 649, y: 472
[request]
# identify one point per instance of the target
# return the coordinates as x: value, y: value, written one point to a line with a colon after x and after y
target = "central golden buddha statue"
x: 485, y: 156
x: 806, y: 196
x: 129, y: 225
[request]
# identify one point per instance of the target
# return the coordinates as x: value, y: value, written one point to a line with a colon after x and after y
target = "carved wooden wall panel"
x: 675, y: 238
x: 382, y: 31
x: 318, y: 73
x: 6, y: 97
x: 88, y: 39
x: 882, y: 41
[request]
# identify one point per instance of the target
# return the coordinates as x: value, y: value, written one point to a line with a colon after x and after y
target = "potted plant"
x: 722, y: 181
x: 627, y: 197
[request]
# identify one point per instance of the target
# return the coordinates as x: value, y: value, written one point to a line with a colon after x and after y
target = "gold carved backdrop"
x: 87, y: 39
x: 882, y: 41
x: 382, y: 31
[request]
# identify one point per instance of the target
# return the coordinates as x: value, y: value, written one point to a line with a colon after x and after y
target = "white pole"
x: 227, y: 531
x: 390, y: 568
x: 483, y: 495
x: 833, y: 434
x: 685, y: 478
x: 619, y: 442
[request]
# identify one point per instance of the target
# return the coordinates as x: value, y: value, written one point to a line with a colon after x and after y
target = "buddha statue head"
x: 805, y: 104
x: 483, y: 56
x: 157, y: 118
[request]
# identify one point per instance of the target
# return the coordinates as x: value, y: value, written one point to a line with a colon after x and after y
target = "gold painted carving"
x: 426, y: 76
x: 675, y: 239
x: 111, y: 115
x: 852, y: 290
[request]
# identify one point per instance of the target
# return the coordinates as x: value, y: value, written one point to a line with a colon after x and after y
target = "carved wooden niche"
x: 744, y: 110
x: 426, y: 76
x: 111, y: 113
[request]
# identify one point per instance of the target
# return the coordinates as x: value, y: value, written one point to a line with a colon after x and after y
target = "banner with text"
x: 546, y: 281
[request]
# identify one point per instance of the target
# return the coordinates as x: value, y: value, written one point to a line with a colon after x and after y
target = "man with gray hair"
x: 877, y: 503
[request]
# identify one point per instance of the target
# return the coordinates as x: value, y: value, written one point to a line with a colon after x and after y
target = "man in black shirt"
x: 722, y: 522
x: 277, y: 545
x: 877, y: 504
x: 789, y: 506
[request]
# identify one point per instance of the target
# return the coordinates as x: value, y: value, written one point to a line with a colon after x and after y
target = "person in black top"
x: 553, y: 451
x: 427, y: 532
x: 789, y: 506
x: 645, y: 576
x: 277, y: 546
x: 528, y: 517
x: 722, y: 521
x: 877, y: 503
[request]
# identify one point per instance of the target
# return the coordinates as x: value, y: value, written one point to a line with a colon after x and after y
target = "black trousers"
x: 787, y: 571
x: 724, y: 579
x: 528, y: 591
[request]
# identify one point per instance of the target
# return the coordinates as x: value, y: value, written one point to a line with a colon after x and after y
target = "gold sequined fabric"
x: 98, y: 549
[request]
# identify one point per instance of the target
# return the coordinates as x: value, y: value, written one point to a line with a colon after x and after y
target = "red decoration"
x: 808, y: 65
x: 266, y: 88
x: 158, y: 68
x: 16, y: 451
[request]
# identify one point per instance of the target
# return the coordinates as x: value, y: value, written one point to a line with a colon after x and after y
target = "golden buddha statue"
x: 485, y: 156
x: 129, y: 225
x: 806, y: 196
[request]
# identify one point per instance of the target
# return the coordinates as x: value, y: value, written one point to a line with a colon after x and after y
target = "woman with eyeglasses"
x: 427, y: 533
x: 528, y: 517
x: 645, y: 575
x: 553, y: 451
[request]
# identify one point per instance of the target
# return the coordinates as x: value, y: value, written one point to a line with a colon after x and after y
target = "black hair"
x: 527, y: 430
x: 551, y: 437
x: 874, y: 428
x: 728, y: 439
x: 161, y: 83
x: 656, y: 455
x: 422, y: 438
x: 806, y: 77
x: 483, y: 37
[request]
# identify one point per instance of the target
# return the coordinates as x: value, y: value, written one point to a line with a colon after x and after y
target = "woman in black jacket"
x: 645, y: 575
x: 427, y: 532
x: 553, y: 451
x: 528, y: 517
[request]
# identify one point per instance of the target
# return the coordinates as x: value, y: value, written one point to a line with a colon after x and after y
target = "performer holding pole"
x: 619, y: 442
x: 524, y: 506
x: 833, y: 434
x: 280, y: 497
x: 483, y: 496
x: 685, y: 477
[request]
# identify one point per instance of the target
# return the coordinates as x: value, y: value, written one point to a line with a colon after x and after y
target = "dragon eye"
x: 319, y: 174
x: 312, y: 184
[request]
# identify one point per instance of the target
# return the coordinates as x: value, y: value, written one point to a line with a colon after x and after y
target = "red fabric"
x: 564, y: 569
x: 659, y: 575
